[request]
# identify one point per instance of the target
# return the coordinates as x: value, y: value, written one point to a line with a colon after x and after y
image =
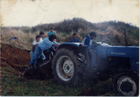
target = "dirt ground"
x: 14, y: 57
x: 18, y: 59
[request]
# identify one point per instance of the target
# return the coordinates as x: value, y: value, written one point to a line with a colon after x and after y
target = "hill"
x: 112, y: 32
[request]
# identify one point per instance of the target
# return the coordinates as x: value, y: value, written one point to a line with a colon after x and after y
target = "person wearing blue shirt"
x: 88, y: 40
x: 74, y: 39
x: 46, y: 44
x: 51, y: 32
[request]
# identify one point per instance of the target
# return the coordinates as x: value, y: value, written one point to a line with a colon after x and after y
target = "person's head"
x: 52, y: 37
x: 51, y: 29
x: 92, y: 35
x: 41, y: 34
x: 37, y: 38
x: 74, y: 35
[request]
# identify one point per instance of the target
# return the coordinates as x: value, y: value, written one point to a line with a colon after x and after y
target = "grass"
x: 17, y: 85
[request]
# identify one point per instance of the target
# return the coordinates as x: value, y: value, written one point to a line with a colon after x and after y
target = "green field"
x: 17, y: 85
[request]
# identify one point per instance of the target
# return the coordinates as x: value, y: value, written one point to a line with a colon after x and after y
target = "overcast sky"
x: 31, y: 13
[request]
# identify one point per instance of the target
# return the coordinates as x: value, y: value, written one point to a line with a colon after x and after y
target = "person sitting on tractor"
x: 46, y: 44
x: 88, y: 40
x: 34, y: 44
x: 74, y: 39
x: 41, y: 36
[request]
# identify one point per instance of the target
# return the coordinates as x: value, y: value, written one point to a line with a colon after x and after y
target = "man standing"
x: 51, y: 32
x: 74, y: 38
x: 88, y: 40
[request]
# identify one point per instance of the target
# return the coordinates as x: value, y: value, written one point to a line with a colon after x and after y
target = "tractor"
x: 75, y: 63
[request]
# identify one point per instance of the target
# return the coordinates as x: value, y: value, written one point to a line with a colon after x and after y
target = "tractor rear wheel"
x: 66, y: 68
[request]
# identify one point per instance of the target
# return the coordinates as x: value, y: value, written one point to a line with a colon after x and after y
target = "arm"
x: 33, y: 47
x: 56, y: 45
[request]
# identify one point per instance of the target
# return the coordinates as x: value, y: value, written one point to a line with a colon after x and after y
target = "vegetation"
x: 17, y: 85
x: 112, y: 32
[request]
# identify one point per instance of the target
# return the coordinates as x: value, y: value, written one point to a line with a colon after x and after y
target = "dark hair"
x: 52, y: 37
x: 93, y: 34
x: 41, y: 33
x: 38, y: 36
x: 51, y: 28
x: 74, y: 34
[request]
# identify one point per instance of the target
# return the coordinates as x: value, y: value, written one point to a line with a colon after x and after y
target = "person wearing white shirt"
x: 35, y: 42
x: 41, y: 36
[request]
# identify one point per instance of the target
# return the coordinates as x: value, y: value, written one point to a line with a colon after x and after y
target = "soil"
x: 19, y: 59
x: 15, y: 57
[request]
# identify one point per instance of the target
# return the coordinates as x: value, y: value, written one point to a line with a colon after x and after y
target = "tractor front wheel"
x: 125, y: 84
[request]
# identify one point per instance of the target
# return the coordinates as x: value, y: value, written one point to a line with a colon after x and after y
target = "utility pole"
x: 126, y: 39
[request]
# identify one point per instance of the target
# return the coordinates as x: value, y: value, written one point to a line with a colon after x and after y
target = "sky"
x: 36, y: 12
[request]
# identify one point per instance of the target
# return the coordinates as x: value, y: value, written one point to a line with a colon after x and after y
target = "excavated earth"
x: 18, y: 59
x: 14, y: 57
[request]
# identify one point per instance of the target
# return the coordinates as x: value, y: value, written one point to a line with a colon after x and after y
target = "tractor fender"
x: 69, y: 45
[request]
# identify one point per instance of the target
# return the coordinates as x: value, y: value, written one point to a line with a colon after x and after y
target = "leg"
x: 31, y: 54
x: 93, y: 57
x: 34, y: 57
x: 52, y: 50
x: 43, y: 56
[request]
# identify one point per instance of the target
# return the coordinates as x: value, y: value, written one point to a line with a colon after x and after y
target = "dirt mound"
x: 14, y: 57
x: 18, y: 60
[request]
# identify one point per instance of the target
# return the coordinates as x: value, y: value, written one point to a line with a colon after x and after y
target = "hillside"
x: 112, y: 32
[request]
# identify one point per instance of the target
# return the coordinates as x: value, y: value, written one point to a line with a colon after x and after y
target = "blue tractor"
x: 75, y: 63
